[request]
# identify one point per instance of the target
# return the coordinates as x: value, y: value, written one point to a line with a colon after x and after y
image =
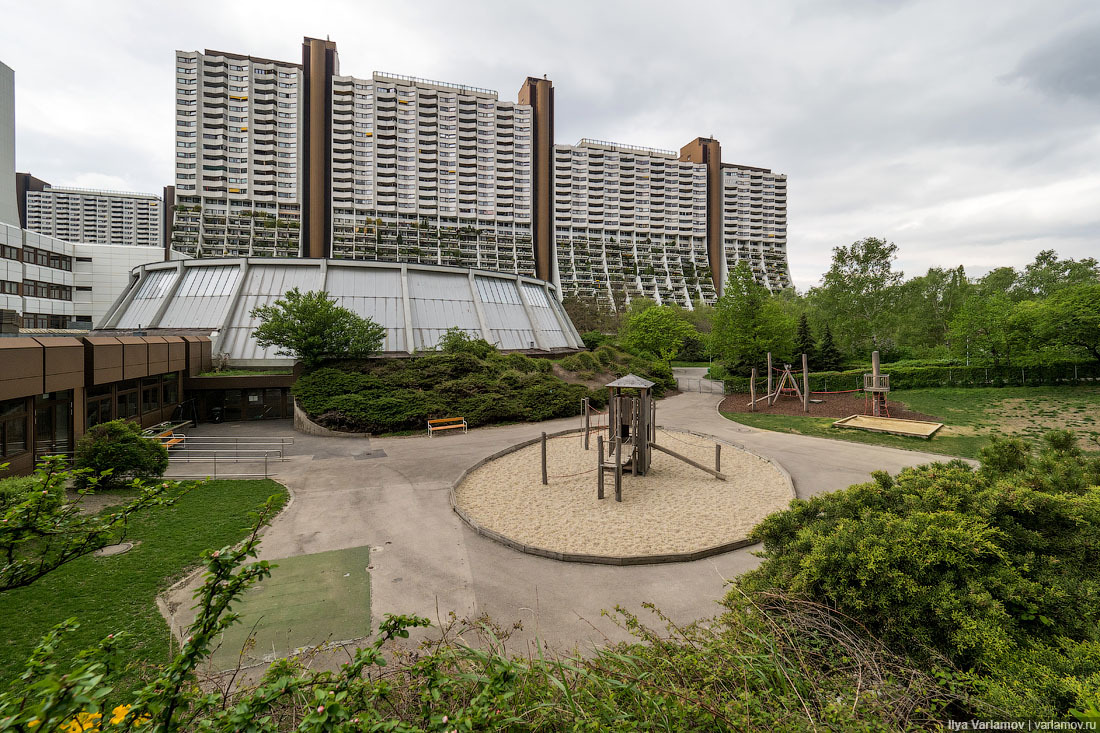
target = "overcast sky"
x: 966, y: 132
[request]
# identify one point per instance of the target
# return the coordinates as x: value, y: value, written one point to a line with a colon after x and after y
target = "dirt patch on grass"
x: 831, y: 405
x: 1032, y: 417
x: 595, y: 381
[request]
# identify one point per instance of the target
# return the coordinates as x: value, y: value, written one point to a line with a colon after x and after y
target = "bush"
x: 14, y: 490
x: 457, y: 341
x: 994, y: 570
x: 592, y: 339
x: 120, y: 447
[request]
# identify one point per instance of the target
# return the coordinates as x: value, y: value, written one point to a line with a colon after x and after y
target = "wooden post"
x: 544, y: 481
x: 586, y: 423
x: 769, y: 379
x: 685, y: 459
x: 599, y: 466
x: 752, y: 392
x: 718, y: 457
x: 805, y: 384
x: 875, y: 371
x: 618, y: 469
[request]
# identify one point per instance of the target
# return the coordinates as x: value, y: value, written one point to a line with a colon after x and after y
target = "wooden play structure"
x: 631, y: 435
x: 786, y: 386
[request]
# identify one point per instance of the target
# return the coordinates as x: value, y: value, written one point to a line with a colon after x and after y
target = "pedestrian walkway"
x: 391, y: 495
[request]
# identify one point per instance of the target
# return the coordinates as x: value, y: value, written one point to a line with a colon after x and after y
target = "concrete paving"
x: 391, y: 494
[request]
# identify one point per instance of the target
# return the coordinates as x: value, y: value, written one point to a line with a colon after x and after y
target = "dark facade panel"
x: 158, y: 354
x: 63, y: 364
x: 102, y: 359
x: 135, y: 357
x: 177, y: 353
x: 23, y: 368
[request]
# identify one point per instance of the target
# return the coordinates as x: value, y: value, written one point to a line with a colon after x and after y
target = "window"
x: 150, y: 395
x: 170, y: 383
x: 13, y: 427
x: 127, y: 399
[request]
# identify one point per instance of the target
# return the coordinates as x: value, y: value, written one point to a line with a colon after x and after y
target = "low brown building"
x: 52, y: 389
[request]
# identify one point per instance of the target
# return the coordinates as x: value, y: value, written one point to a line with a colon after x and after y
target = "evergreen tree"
x: 828, y: 355
x: 804, y: 340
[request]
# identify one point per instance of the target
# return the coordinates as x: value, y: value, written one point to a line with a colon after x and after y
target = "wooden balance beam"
x: 685, y: 459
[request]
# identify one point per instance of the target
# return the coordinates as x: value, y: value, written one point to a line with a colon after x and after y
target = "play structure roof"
x: 631, y: 381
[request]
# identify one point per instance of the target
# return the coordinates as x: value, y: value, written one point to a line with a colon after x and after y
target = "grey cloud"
x: 1067, y: 66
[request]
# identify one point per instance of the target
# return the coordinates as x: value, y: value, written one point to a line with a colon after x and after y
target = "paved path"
x: 426, y: 561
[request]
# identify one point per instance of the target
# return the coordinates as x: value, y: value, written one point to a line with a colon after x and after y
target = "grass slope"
x: 111, y: 595
x: 970, y: 416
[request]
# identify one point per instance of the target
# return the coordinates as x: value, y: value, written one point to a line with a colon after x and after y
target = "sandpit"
x: 674, y: 510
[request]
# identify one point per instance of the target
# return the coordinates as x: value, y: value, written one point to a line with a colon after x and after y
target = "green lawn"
x: 970, y: 416
x: 118, y: 594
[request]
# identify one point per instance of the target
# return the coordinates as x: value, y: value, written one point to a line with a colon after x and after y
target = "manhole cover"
x: 110, y: 550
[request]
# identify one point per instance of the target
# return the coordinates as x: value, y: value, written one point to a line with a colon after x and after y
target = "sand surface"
x: 675, y: 508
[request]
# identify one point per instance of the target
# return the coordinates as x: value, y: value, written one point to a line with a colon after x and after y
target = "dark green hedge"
x: 388, y: 395
x: 914, y: 377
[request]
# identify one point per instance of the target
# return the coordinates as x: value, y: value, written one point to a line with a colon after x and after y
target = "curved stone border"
x: 620, y: 560
x: 303, y: 424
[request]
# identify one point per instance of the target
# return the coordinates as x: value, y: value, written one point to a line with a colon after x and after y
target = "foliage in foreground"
x: 768, y: 662
x: 471, y: 379
x: 116, y: 452
x: 991, y: 569
x: 311, y: 327
x: 40, y: 530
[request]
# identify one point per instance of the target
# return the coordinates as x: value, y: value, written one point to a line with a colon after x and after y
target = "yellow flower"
x: 83, y: 722
x: 119, y: 713
x: 33, y: 723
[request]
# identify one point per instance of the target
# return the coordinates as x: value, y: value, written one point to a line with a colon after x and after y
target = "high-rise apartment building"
x: 87, y: 215
x: 284, y: 159
x: 239, y: 144
x: 428, y: 172
x: 754, y: 222
x: 630, y: 222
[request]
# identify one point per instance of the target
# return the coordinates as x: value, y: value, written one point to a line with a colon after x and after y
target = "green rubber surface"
x: 307, y: 601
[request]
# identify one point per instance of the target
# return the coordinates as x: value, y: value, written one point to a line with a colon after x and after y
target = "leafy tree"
x: 804, y: 340
x: 981, y: 330
x: 828, y: 355
x: 41, y: 530
x: 1000, y: 280
x: 856, y: 294
x: 1047, y: 275
x: 116, y: 452
x: 311, y: 327
x: 656, y: 330
x: 925, y: 306
x: 1071, y: 319
x: 748, y: 323
x: 591, y: 314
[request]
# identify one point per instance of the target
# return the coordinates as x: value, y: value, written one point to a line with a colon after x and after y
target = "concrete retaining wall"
x: 303, y: 424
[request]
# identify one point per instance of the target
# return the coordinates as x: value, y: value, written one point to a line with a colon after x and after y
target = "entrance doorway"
x: 53, y: 423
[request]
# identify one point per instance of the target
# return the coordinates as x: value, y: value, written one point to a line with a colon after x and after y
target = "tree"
x: 828, y: 355
x: 925, y: 306
x: 657, y: 330
x: 311, y: 327
x: 981, y: 329
x: 856, y: 293
x: 116, y: 452
x: 804, y: 339
x: 748, y: 323
x: 40, y: 530
x: 1048, y: 275
x: 1071, y: 318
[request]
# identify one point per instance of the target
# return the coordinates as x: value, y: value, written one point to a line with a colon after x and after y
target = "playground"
x: 674, y: 509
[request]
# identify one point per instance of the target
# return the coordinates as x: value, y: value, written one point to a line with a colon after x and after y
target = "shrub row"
x: 401, y: 394
x: 914, y: 377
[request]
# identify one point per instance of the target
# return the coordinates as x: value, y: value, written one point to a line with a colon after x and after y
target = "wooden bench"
x: 446, y: 423
x: 169, y: 439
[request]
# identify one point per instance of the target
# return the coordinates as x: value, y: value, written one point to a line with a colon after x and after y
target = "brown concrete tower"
x: 539, y: 93
x: 708, y: 151
x: 320, y: 63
